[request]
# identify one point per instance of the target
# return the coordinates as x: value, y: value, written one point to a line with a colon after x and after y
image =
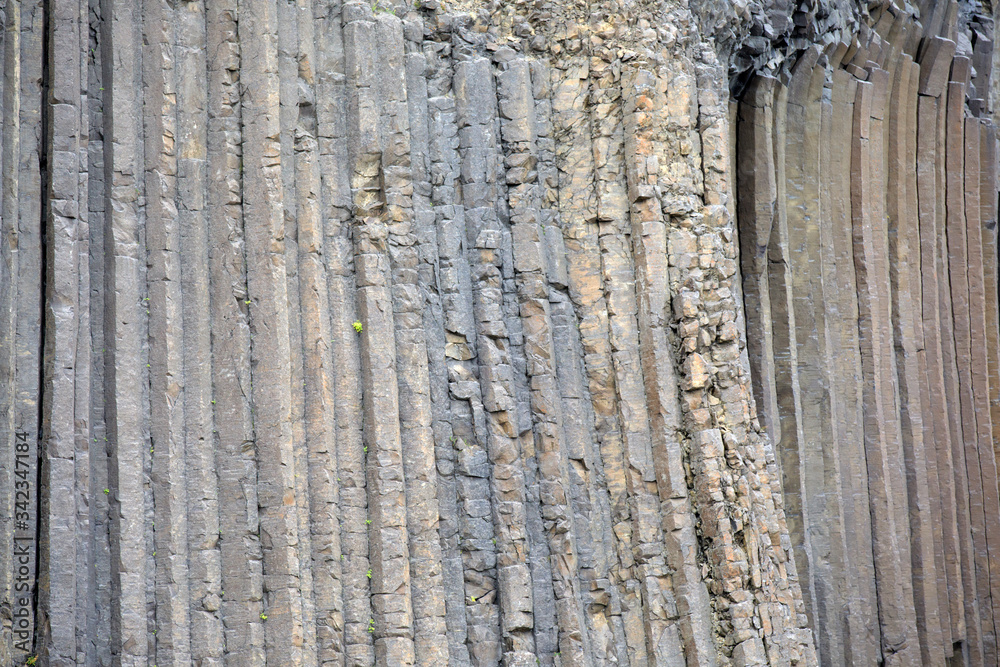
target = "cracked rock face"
x: 509, y: 332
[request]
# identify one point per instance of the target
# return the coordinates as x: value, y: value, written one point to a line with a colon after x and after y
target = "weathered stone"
x: 484, y: 334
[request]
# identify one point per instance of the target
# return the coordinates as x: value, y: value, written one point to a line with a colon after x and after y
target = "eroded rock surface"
x: 498, y: 333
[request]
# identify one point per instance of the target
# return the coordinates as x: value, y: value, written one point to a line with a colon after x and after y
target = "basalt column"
x: 904, y: 271
x: 481, y: 333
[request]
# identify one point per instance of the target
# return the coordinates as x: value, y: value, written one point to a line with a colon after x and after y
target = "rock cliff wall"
x: 497, y: 333
x: 867, y: 218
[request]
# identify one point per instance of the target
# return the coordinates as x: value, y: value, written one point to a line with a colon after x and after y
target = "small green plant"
x: 33, y: 659
x: 263, y: 617
x: 371, y: 625
x: 472, y: 597
x: 358, y: 327
x: 247, y: 302
x: 368, y: 522
x: 366, y: 449
x: 107, y: 491
x: 369, y: 573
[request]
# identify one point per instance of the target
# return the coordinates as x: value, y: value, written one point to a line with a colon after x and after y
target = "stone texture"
x: 478, y: 333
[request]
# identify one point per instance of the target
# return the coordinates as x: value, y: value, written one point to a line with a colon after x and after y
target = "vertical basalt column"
x: 937, y: 322
x: 241, y: 553
x: 96, y: 610
x: 416, y: 434
x: 267, y: 291
x: 320, y: 467
x: 646, y: 107
x: 28, y: 312
x: 936, y: 432
x: 456, y: 397
x: 599, y: 276
x: 898, y: 636
x: 289, y: 90
x: 477, y: 118
x: 863, y: 627
x: 785, y: 350
x: 975, y: 565
x: 437, y: 516
x: 880, y: 270
x: 903, y: 263
x: 757, y: 193
x: 65, y: 436
x: 979, y: 360
x: 961, y: 605
x: 378, y: 158
x: 939, y: 614
x: 821, y: 466
x: 9, y: 185
x: 125, y: 331
x: 203, y: 521
x: 546, y: 630
x: 164, y: 308
x: 518, y: 133
x: 828, y: 170
x: 991, y: 257
x: 610, y: 256
x: 332, y: 122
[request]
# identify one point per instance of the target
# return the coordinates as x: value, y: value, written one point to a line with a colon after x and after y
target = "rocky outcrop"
x: 868, y: 247
x: 497, y: 333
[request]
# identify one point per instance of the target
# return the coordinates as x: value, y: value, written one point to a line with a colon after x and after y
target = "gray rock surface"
x: 482, y: 332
